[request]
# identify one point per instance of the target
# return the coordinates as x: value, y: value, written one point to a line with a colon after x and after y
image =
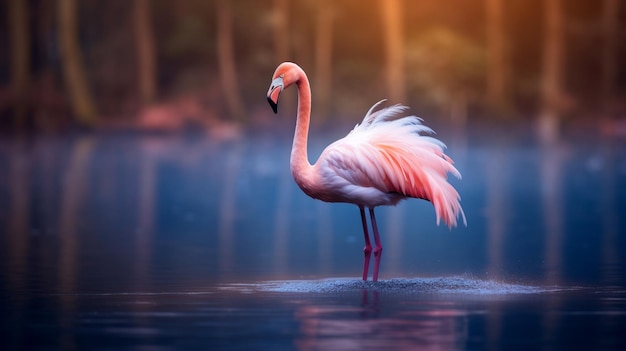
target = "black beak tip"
x: 273, y: 104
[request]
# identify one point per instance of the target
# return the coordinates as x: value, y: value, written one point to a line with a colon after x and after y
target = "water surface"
x: 169, y: 242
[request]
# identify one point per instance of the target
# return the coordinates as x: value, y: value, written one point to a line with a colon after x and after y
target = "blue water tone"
x: 125, y: 242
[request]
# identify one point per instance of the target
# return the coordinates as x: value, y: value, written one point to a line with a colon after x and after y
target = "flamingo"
x: 383, y: 160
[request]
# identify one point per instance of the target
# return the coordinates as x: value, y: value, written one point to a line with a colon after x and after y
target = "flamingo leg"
x: 378, y: 249
x: 367, y: 250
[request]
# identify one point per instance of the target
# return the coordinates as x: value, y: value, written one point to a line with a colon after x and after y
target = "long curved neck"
x: 299, y: 158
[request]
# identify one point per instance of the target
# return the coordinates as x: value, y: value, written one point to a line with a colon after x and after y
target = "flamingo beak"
x: 272, y: 94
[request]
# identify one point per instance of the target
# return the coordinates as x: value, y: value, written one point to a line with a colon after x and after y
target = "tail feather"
x: 423, y: 174
x: 414, y: 164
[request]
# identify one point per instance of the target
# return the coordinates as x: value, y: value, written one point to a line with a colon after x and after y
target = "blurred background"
x: 149, y: 120
x: 166, y: 65
x: 143, y: 117
x: 140, y: 163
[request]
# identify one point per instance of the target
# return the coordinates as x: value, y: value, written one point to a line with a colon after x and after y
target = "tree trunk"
x: 497, y: 70
x: 323, y: 58
x: 394, y: 49
x: 282, y: 42
x: 281, y: 30
x: 146, y: 60
x: 226, y: 61
x: 610, y: 22
x: 72, y: 62
x: 552, y: 71
x: 50, y: 102
x: 20, y: 58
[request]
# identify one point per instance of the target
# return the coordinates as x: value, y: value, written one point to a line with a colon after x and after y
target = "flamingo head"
x: 276, y: 88
x: 285, y: 75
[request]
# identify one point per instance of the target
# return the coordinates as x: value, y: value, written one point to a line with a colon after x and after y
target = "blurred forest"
x: 168, y: 65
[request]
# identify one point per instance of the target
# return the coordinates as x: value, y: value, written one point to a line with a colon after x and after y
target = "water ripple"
x: 439, y: 285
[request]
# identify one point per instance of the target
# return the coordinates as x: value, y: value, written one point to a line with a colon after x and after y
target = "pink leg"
x: 378, y: 250
x: 367, y: 250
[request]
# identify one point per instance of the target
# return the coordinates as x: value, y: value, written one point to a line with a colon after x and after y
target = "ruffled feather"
x: 387, y: 151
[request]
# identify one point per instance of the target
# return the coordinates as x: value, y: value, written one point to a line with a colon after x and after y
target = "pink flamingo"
x: 381, y: 161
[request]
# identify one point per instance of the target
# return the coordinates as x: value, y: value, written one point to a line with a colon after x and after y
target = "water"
x: 168, y: 242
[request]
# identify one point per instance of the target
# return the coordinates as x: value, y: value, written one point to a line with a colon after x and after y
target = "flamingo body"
x: 383, y: 160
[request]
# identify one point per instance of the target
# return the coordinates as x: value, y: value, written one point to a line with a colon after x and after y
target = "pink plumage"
x: 384, y: 159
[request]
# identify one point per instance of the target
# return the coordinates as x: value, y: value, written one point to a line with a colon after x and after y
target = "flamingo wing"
x: 387, y: 154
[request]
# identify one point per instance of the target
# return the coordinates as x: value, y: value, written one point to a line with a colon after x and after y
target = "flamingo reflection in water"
x: 383, y: 160
x: 436, y: 325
